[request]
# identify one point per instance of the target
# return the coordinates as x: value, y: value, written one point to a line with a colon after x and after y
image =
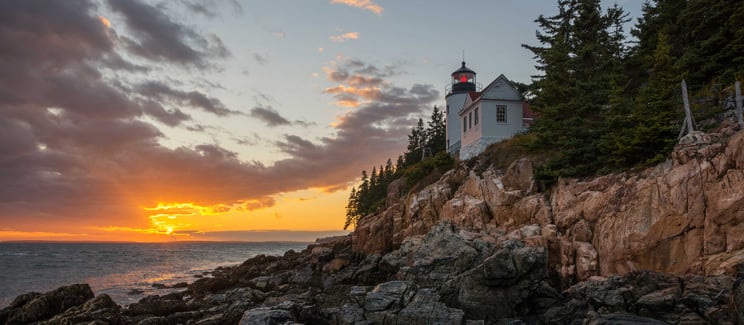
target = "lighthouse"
x: 463, y: 84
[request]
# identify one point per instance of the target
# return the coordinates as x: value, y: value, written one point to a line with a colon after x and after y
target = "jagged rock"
x: 505, y: 280
x: 586, y: 261
x: 265, y: 316
x: 99, y: 309
x: 346, y: 314
x: 321, y: 254
x: 161, y: 306
x: 439, y: 256
x: 650, y: 295
x: 159, y: 320
x: 425, y: 308
x: 389, y: 295
x: 620, y: 319
x: 519, y: 176
x: 335, y: 265
x: 36, y: 307
x: 737, y: 296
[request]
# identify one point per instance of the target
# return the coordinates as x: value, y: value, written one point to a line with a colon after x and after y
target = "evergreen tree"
x: 436, y: 133
x: 555, y: 82
x: 579, y: 59
x: 715, y: 36
x: 389, y: 171
x: 352, y: 209
x: 400, y: 163
x: 658, y: 116
x: 416, y: 142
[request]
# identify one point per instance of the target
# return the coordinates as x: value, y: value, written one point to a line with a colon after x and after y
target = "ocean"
x: 125, y: 271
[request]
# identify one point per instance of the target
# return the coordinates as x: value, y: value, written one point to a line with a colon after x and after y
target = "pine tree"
x: 400, y: 164
x: 436, y: 132
x: 352, y: 209
x: 416, y: 142
x: 389, y: 171
x: 658, y: 116
x: 579, y: 58
x: 715, y: 37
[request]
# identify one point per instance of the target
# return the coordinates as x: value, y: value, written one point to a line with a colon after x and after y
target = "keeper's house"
x: 476, y: 119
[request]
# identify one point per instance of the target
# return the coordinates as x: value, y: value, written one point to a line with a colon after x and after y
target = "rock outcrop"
x: 448, y: 276
x: 35, y: 307
x: 682, y: 216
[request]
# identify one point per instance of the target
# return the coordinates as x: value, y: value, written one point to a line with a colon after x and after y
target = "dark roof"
x: 463, y: 69
x: 474, y: 95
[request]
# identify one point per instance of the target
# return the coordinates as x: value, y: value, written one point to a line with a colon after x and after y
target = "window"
x: 447, y: 109
x: 501, y: 113
x: 476, y: 116
x: 464, y: 124
x: 470, y: 120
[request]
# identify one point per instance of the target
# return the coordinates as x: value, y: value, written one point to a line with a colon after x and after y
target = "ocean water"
x: 125, y: 271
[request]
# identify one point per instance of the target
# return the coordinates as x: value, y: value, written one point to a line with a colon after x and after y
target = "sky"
x: 139, y: 120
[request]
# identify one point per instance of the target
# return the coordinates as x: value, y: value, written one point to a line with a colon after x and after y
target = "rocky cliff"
x: 682, y: 216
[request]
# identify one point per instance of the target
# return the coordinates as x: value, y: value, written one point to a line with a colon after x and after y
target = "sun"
x: 169, y: 230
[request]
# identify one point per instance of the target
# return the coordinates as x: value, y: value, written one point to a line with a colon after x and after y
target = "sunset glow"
x: 139, y: 121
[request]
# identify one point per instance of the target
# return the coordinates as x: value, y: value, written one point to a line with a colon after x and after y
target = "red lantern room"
x: 463, y: 79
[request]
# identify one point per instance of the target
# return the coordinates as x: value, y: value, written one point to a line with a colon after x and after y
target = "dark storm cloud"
x: 159, y: 38
x: 269, y: 116
x: 169, y: 117
x: 161, y: 91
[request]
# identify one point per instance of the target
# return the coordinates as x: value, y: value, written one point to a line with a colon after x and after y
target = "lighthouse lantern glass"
x: 463, y: 78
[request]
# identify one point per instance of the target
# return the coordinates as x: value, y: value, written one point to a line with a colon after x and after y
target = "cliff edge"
x: 683, y: 216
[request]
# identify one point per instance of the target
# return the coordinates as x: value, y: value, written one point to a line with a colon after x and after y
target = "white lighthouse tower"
x: 463, y: 82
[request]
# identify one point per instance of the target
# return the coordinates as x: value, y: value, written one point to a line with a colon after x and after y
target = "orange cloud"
x: 347, y: 96
x: 364, y: 4
x: 104, y: 21
x: 344, y: 37
x: 256, y: 204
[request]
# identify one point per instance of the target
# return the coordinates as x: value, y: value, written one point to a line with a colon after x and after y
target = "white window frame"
x: 506, y: 119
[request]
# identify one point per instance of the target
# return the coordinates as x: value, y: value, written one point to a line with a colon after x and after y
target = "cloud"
x: 269, y: 116
x: 344, y: 37
x: 261, y: 59
x: 349, y: 96
x: 363, y: 82
x: 75, y: 147
x: 259, y: 203
x: 210, y: 8
x: 159, y: 91
x: 159, y: 38
x: 364, y: 4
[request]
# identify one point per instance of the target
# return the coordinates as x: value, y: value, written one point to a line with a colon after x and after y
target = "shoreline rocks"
x: 448, y: 276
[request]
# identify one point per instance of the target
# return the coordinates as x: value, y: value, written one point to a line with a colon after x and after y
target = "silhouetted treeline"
x: 424, y: 143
